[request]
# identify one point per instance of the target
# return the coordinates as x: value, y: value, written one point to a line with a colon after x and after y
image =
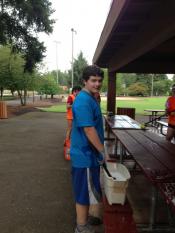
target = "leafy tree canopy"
x: 138, y: 89
x: 20, y: 21
x: 47, y: 85
x: 79, y: 64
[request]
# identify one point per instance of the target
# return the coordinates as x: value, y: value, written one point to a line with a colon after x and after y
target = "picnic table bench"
x: 154, y: 115
x: 162, y: 125
x: 156, y: 158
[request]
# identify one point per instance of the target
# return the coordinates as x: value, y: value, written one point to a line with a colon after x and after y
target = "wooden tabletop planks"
x: 156, y: 158
x: 122, y: 122
x: 141, y: 154
x: 155, y: 149
x: 162, y: 142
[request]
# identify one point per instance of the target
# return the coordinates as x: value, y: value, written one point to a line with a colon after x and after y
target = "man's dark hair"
x: 92, y: 70
x: 76, y: 88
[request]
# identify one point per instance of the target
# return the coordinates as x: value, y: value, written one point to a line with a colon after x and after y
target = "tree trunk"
x: 51, y: 96
x: 33, y: 95
x: 2, y: 90
x: 20, y: 96
x: 12, y: 92
x: 25, y: 96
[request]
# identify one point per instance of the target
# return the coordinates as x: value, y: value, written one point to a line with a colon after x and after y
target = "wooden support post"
x: 111, y: 102
x: 3, y: 110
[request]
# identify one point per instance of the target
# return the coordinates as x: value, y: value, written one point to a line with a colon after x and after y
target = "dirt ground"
x: 17, y: 110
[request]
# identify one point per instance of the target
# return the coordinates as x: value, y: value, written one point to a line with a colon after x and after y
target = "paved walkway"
x: 35, y: 183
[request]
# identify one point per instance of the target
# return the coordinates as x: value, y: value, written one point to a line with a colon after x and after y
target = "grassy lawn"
x: 8, y: 97
x: 140, y: 104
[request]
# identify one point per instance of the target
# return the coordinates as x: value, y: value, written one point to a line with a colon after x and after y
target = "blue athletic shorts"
x: 86, y: 185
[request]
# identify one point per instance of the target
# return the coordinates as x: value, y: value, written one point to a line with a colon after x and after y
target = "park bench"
x: 154, y: 116
x: 161, y: 125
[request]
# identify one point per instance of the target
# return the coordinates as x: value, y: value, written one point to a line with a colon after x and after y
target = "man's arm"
x: 167, y: 108
x: 69, y: 105
x: 92, y: 135
x: 69, y: 102
x: 94, y: 139
x: 167, y: 111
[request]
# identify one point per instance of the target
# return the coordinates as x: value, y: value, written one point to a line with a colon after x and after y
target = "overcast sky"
x: 87, y: 17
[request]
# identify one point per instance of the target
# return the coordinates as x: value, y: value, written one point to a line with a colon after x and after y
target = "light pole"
x: 73, y: 31
x: 56, y: 43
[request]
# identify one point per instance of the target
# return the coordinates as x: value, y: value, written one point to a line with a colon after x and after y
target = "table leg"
x: 108, y: 130
x: 116, y: 146
x: 153, y: 208
x: 155, y: 116
x: 122, y: 150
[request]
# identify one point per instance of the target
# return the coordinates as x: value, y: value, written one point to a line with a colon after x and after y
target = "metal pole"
x: 56, y: 43
x: 73, y: 31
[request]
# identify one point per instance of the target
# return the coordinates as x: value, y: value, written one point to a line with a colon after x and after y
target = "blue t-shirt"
x: 86, y: 113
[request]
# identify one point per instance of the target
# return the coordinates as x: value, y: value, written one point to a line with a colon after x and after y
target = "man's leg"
x: 87, y: 190
x: 69, y: 127
x: 95, y: 214
x: 82, y: 214
x: 82, y: 217
x: 170, y: 134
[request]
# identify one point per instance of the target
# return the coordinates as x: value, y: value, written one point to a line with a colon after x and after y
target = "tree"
x: 47, y: 85
x: 4, y: 68
x: 79, y: 64
x: 162, y: 87
x: 173, y: 78
x: 63, y: 77
x: 138, y: 89
x: 19, y: 23
x: 105, y: 81
x: 127, y: 80
x: 12, y: 74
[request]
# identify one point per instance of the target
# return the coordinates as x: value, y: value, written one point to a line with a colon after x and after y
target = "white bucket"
x: 115, y: 189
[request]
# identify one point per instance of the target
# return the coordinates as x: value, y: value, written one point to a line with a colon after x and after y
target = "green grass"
x: 8, y: 97
x: 55, y: 108
x: 140, y: 104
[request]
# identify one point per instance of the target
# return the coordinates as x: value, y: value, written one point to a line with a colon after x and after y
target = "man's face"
x: 75, y: 93
x: 93, y: 84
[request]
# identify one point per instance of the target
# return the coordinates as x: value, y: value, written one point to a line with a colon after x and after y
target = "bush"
x: 138, y: 89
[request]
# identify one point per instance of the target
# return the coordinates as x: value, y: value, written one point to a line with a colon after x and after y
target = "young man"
x: 170, y: 110
x: 87, y: 148
x: 69, y: 115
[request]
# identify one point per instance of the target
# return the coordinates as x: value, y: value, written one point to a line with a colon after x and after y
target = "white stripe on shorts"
x: 93, y: 199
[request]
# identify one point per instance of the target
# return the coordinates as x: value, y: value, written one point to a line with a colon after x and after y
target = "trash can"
x: 3, y: 110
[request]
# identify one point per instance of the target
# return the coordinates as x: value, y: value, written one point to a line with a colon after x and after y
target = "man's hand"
x: 103, y: 157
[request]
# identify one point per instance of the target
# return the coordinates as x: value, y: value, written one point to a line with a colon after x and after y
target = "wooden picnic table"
x: 153, y: 114
x: 120, y: 122
x: 156, y: 158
